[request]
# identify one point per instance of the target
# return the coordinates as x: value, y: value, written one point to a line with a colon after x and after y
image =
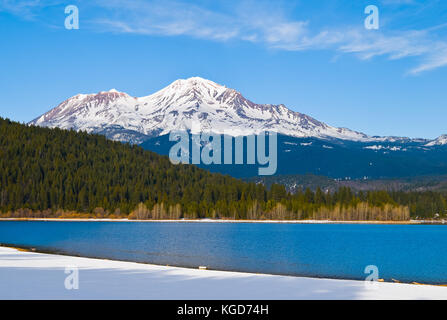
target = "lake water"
x: 403, y: 252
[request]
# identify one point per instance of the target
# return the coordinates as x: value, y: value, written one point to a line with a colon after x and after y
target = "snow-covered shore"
x: 30, y: 275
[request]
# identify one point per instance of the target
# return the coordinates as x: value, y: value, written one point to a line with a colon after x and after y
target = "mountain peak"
x: 195, y: 81
x: 178, y: 106
x: 112, y: 92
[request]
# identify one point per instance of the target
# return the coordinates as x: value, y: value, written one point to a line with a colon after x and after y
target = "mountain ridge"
x: 181, y: 106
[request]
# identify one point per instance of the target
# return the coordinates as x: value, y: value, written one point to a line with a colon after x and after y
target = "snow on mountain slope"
x: 440, y: 141
x: 179, y: 106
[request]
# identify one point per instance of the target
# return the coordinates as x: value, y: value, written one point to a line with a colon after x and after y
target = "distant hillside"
x: 297, y: 182
x: 338, y: 159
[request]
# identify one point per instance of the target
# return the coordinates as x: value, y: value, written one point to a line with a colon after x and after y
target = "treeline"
x: 423, y: 205
x: 48, y: 173
x: 280, y: 205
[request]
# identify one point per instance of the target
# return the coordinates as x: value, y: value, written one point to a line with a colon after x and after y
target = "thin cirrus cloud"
x: 165, y: 18
x: 274, y: 30
x: 255, y: 22
x: 26, y: 9
x: 168, y: 18
x: 398, y: 45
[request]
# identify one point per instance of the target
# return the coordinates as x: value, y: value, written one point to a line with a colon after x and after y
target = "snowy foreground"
x: 29, y: 275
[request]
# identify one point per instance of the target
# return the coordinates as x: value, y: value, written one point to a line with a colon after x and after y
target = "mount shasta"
x: 305, y: 145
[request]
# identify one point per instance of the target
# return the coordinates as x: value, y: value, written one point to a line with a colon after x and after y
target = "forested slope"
x: 52, y: 173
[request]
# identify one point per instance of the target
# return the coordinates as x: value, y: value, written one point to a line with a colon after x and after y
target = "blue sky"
x: 316, y: 57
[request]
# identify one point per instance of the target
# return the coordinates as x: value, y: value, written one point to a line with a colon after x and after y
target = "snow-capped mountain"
x: 319, y: 148
x: 181, y: 106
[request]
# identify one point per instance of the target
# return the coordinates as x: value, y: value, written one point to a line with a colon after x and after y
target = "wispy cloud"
x: 258, y: 22
x: 166, y: 18
x: 261, y: 24
x: 398, y: 2
x: 435, y: 60
x: 26, y: 9
x: 432, y: 53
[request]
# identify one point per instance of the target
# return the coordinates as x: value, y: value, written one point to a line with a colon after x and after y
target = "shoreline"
x: 112, y: 279
x: 61, y: 253
x: 308, y: 221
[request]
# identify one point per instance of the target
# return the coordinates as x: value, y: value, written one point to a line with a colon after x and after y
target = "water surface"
x: 403, y: 252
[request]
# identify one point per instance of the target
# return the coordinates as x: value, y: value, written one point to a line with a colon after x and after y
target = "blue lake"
x: 403, y: 252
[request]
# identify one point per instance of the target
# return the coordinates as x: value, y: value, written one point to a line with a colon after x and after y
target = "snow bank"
x: 29, y: 275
